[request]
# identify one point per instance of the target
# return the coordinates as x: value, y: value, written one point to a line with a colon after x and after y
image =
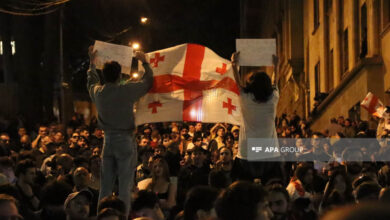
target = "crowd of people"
x: 189, y: 171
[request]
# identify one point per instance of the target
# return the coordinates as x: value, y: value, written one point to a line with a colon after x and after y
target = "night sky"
x: 212, y: 23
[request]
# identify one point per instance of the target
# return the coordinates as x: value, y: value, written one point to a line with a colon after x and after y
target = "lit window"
x: 12, y: 47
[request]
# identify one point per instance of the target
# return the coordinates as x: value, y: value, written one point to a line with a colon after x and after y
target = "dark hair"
x: 366, y: 189
x: 329, y: 195
x: 107, y: 212
x: 55, y: 193
x: 199, y: 198
x: 240, y: 201
x: 111, y: 71
x: 301, y: 170
x: 260, y: 86
x: 112, y: 202
x: 22, y: 166
x: 145, y: 199
x: 228, y: 134
x: 278, y: 188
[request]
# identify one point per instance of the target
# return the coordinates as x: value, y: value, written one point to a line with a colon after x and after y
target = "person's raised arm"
x: 237, y: 76
x: 92, y: 75
x: 140, y: 88
x: 275, y: 61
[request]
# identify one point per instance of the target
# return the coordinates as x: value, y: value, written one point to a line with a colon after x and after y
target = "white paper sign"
x: 113, y: 52
x: 256, y: 52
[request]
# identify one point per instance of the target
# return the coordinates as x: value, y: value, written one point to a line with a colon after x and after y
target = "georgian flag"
x: 373, y: 105
x: 191, y: 83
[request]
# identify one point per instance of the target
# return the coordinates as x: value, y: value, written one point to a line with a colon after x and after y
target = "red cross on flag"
x: 191, y: 83
x: 373, y: 105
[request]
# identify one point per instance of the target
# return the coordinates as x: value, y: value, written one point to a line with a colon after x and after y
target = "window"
x: 345, y: 51
x: 363, y: 31
x: 354, y: 112
x: 12, y: 47
x: 385, y: 13
x: 316, y: 14
x: 317, y: 78
x: 330, y: 71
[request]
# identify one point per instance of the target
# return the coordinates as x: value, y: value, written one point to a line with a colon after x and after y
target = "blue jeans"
x: 119, y: 159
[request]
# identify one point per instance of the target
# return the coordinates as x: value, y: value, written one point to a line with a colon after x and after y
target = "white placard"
x: 256, y: 52
x: 113, y: 52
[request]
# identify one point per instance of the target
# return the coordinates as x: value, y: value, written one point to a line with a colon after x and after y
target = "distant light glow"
x: 135, y: 75
x: 135, y: 46
x: 144, y: 20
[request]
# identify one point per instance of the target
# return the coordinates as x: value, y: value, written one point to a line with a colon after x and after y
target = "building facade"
x: 332, y: 53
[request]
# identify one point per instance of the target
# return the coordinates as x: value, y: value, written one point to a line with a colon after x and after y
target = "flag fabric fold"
x: 191, y: 83
x: 373, y: 105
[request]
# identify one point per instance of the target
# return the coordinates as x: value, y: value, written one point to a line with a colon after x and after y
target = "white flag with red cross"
x: 373, y: 105
x: 191, y: 83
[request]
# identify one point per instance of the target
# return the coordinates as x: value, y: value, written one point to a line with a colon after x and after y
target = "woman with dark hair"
x: 338, y: 190
x: 259, y: 96
x: 161, y: 184
x: 301, y: 183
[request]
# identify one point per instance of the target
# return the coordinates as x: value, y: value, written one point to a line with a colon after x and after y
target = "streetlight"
x: 135, y: 45
x: 144, y: 20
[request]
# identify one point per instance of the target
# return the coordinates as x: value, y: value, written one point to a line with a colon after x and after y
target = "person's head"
x: 8, y: 208
x: 43, y: 130
x: 22, y: 131
x: 197, y: 140
x: 58, y: 137
x: 235, y: 132
x: 228, y: 139
x: 339, y: 181
x: 198, y: 156
x: 225, y: 155
x: 25, y: 140
x: 304, y: 173
x: 220, y: 131
x: 110, y: 214
x: 111, y: 71
x: 144, y: 141
x: 74, y: 138
x: 96, y: 151
x: 198, y: 127
x: 279, y: 200
x: 368, y: 191
x: 146, y: 204
x: 65, y: 162
x: 243, y: 200
x: 160, y: 150
x: 26, y: 171
x: 77, y: 205
x: 347, y: 122
x: 98, y: 132
x: 84, y: 132
x: 160, y: 169
x: 184, y: 130
x: 81, y: 177
x: 4, y: 139
x: 94, y: 164
x: 112, y: 202
x: 199, y: 203
x: 53, y: 196
x: 259, y: 84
